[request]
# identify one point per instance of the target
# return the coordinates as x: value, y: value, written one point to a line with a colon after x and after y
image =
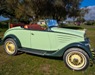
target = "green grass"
x: 2, y: 30
x: 28, y: 64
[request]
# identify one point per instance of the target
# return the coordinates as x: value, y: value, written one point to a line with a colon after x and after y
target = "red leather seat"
x: 34, y: 27
x: 15, y: 25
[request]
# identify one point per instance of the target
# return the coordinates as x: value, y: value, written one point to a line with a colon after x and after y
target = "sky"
x: 2, y: 18
x: 90, y: 4
x: 84, y: 3
x: 91, y: 13
x: 87, y: 3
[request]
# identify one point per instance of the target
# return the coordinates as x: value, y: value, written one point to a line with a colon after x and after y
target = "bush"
x: 3, y: 24
x: 89, y: 23
x: 62, y: 25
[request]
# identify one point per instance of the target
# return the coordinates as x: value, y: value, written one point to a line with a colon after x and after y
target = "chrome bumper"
x: 87, y: 40
x: 93, y: 53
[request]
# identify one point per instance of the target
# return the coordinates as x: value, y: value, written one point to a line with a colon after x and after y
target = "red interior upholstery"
x: 15, y: 25
x: 35, y: 27
x: 32, y: 26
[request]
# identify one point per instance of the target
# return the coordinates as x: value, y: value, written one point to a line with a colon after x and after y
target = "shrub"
x: 89, y: 23
x: 3, y: 25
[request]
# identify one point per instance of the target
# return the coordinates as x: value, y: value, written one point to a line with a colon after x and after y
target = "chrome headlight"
x: 87, y: 40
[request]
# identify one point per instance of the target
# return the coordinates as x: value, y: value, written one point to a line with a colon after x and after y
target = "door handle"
x: 32, y: 33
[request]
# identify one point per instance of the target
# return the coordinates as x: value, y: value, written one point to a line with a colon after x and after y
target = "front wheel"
x: 10, y: 46
x: 76, y: 59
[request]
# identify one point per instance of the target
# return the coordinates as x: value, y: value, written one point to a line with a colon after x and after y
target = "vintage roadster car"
x: 70, y: 44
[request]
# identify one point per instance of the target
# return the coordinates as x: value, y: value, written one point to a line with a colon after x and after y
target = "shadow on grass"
x: 72, y: 27
x: 0, y: 42
x: 42, y: 56
x: 19, y: 53
x: 48, y: 57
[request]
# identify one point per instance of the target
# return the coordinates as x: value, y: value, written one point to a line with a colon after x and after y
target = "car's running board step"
x: 34, y: 51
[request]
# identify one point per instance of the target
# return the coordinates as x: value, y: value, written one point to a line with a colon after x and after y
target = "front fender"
x: 14, y: 38
x: 82, y: 45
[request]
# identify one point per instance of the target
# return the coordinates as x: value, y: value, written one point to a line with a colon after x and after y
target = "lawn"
x: 28, y: 64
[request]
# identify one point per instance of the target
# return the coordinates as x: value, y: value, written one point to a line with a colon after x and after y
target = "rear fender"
x: 14, y: 38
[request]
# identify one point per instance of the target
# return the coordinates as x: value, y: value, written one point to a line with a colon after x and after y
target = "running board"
x: 37, y: 52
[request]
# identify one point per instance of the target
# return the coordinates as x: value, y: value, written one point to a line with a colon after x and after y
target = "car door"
x: 40, y: 40
x: 24, y: 37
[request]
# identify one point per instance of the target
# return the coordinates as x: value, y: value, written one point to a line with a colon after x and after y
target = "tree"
x: 82, y: 13
x: 14, y: 9
x: 25, y: 9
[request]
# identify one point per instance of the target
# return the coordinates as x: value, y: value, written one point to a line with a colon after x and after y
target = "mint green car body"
x: 52, y: 42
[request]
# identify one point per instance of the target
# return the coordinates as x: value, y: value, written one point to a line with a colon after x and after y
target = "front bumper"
x: 92, y: 50
x: 93, y: 53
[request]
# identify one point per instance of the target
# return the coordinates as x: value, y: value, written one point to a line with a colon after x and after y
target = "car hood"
x: 80, y: 33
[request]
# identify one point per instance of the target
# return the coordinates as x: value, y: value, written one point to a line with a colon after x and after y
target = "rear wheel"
x: 10, y: 46
x: 76, y: 59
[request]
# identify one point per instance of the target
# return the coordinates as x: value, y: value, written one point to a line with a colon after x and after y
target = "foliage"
x: 81, y: 15
x: 89, y: 23
x: 84, y: 11
x: 4, y: 24
x: 25, y: 9
x: 80, y: 19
